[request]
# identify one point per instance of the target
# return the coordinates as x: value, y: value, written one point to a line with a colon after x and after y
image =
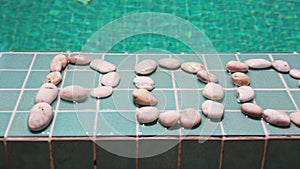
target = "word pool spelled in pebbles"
x: 169, y: 63
x: 47, y: 93
x: 147, y: 114
x: 40, y: 116
x: 79, y: 59
x: 143, y: 82
x: 192, y: 67
x: 74, y: 93
x: 145, y: 67
x: 169, y: 118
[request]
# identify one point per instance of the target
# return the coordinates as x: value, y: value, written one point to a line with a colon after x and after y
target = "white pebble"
x: 281, y: 66
x: 244, y: 94
x: 295, y: 73
x: 258, y: 63
x: 145, y: 67
x: 58, y: 62
x: 102, y: 66
x: 252, y: 109
x: 213, y: 91
x: 278, y: 118
x: 205, y: 76
x: 47, y: 93
x: 53, y: 77
x: 147, y: 114
x: 111, y: 79
x: 74, y: 93
x: 169, y: 63
x: 143, y: 97
x: 101, y: 91
x: 189, y: 118
x: 192, y: 67
x: 79, y: 59
x: 143, y: 82
x: 40, y: 116
x: 212, y: 109
x: 169, y: 118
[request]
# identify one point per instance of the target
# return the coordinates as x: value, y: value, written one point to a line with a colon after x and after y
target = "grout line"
x: 237, y: 57
x: 95, y: 162
x: 222, y: 152
x: 51, y: 157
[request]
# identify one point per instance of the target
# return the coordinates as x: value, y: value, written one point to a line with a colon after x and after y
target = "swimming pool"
x: 231, y: 26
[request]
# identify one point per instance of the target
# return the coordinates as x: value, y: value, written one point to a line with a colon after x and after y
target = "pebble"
x: 111, y: 79
x: 258, y: 63
x: 40, y: 116
x: 53, y: 77
x: 169, y: 118
x: 295, y: 73
x: 299, y: 83
x: 189, y: 118
x: 252, y: 109
x: 169, y: 63
x: 143, y: 82
x: 205, y: 76
x: 278, y: 118
x: 102, y: 66
x: 143, y: 97
x: 236, y: 66
x: 47, y: 93
x: 240, y: 79
x: 74, y: 93
x: 79, y: 59
x: 244, y: 94
x: 213, y: 91
x: 281, y: 66
x: 295, y: 117
x: 212, y: 109
x: 145, y: 67
x: 147, y: 114
x: 192, y: 67
x: 59, y: 62
x: 101, y: 91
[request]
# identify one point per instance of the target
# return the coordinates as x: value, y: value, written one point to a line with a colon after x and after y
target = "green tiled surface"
x: 206, y: 128
x: 120, y: 100
x: 15, y: 61
x: 36, y: 79
x: 87, y: 79
x: 12, y: 79
x: 42, y: 61
x: 122, y: 62
x: 218, y: 61
x: 8, y: 99
x: 88, y: 104
x: 262, y: 79
x: 296, y: 96
x: 187, y: 80
x: 156, y: 129
x: 4, y: 119
x: 274, y: 100
x: 292, y: 59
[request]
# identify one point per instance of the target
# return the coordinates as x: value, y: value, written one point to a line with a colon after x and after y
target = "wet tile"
x: 291, y: 82
x: 236, y: 151
x: 74, y: 124
x: 230, y: 101
x: 165, y: 98
x: 19, y: 127
x: 156, y: 129
x: 8, y: 99
x: 224, y: 78
x: 283, y: 153
x: 296, y: 96
x: 29, y: 154
x: 189, y: 58
x: 36, y: 79
x: 279, y: 100
x: 4, y: 120
x: 200, y: 154
x: 116, y: 123
x: 15, y: 61
x: 73, y: 154
x: 236, y: 123
x: 15, y: 82
x: 155, y: 57
x: 126, y: 81
x: 110, y: 151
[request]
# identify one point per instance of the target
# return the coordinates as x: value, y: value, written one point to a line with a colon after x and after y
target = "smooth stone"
x: 143, y: 82
x: 236, y: 66
x: 278, y: 118
x: 299, y: 83
x: 205, y: 76
x: 244, y: 94
x: 74, y: 93
x: 143, y: 97
x: 169, y: 118
x: 295, y: 73
x: 147, y: 114
x: 189, y: 118
x: 53, y: 77
x: 213, y: 91
x: 47, y: 93
x: 252, y: 109
x: 295, y: 117
x: 111, y: 79
x: 169, y: 63
x: 240, y: 79
x: 101, y: 91
x: 102, y: 66
x: 40, y: 116
x: 281, y: 66
x: 258, y: 63
x: 79, y: 59
x: 192, y: 67
x: 59, y: 62
x: 212, y: 109
x: 145, y: 67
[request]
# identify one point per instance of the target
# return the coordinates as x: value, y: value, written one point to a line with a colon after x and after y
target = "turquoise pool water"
x: 235, y: 25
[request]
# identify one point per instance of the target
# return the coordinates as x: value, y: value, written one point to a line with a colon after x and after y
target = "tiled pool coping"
x: 235, y: 138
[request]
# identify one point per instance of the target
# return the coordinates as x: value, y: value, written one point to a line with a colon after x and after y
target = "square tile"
x: 155, y: 57
x: 126, y: 81
x: 15, y: 61
x: 292, y: 59
x: 119, y: 100
x: 189, y: 58
x: 116, y: 124
x: 15, y: 82
x: 88, y: 104
x: 42, y: 61
x: 291, y: 82
x: 236, y: 151
x: 296, y: 96
x: 199, y: 154
x: 278, y: 100
x: 218, y: 61
x: 283, y: 153
x: 207, y: 127
x: 224, y: 78
x: 236, y: 123
x: 74, y: 124
x: 162, y: 152
x: 162, y: 79
x: 190, y: 99
x: 264, y: 79
x: 165, y: 99
x: 275, y: 130
x: 116, y: 154
x: 4, y: 120
x: 230, y: 101
x: 73, y: 154
x: 3, y: 161
x: 187, y: 80
x: 86, y: 79
x: 19, y: 127
x: 122, y: 62
x: 8, y: 99
x: 29, y: 154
